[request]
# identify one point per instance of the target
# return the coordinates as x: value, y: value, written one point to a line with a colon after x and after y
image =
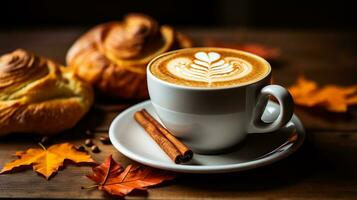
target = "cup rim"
x: 148, y: 71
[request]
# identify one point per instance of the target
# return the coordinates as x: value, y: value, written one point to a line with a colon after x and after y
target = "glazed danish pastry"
x: 39, y: 96
x: 113, y: 56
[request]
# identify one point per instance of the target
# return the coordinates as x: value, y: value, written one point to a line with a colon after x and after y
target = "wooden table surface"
x: 324, y: 168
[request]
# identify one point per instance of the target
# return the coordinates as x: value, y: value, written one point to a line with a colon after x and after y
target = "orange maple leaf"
x: 331, y: 97
x: 47, y: 161
x: 112, y: 178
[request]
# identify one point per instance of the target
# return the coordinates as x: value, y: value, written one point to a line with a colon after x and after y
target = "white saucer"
x: 257, y: 150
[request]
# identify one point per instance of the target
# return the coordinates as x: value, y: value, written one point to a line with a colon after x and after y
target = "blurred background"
x: 301, y: 14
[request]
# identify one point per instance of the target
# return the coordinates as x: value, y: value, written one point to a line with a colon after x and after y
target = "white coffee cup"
x: 210, y: 120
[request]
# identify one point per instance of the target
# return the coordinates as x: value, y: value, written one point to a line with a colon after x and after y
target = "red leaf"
x: 112, y: 178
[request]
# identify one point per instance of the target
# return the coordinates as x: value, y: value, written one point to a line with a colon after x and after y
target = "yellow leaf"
x: 48, y: 161
x: 333, y: 98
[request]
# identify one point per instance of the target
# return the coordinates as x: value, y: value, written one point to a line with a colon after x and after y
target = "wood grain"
x: 324, y: 168
x: 320, y: 169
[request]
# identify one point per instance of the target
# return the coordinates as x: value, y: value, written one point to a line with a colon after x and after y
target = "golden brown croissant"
x: 113, y: 56
x: 39, y: 96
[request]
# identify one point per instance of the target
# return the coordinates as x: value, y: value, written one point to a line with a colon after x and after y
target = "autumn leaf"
x: 331, y: 97
x: 261, y: 50
x: 114, y: 179
x: 47, y: 161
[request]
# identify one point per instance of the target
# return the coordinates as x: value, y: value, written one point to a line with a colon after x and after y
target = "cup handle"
x: 286, y: 109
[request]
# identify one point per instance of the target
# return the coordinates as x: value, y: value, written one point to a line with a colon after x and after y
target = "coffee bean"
x: 81, y: 148
x: 104, y: 139
x: 88, y: 142
x: 95, y: 149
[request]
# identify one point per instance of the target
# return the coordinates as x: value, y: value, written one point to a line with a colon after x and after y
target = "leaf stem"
x: 122, y: 182
x: 107, y: 173
x: 41, y: 145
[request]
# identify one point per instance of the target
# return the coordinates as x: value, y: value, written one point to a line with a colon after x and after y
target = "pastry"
x: 113, y: 56
x: 39, y: 96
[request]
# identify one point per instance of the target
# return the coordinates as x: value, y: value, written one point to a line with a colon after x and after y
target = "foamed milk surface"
x: 209, y: 67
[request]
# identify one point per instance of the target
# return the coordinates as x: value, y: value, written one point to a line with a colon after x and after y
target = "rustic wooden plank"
x: 66, y: 184
x: 315, y: 119
x: 100, y: 117
x: 324, y: 168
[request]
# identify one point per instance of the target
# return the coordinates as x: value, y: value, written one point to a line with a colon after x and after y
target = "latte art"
x: 209, y: 67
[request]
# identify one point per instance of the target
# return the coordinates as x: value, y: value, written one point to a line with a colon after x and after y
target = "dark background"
x: 301, y: 14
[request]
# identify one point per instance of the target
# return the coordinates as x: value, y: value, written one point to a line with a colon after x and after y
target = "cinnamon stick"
x: 174, y: 148
x: 184, y: 150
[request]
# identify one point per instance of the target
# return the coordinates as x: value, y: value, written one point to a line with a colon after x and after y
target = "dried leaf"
x: 331, y: 97
x: 47, y: 161
x: 261, y: 50
x: 112, y: 178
